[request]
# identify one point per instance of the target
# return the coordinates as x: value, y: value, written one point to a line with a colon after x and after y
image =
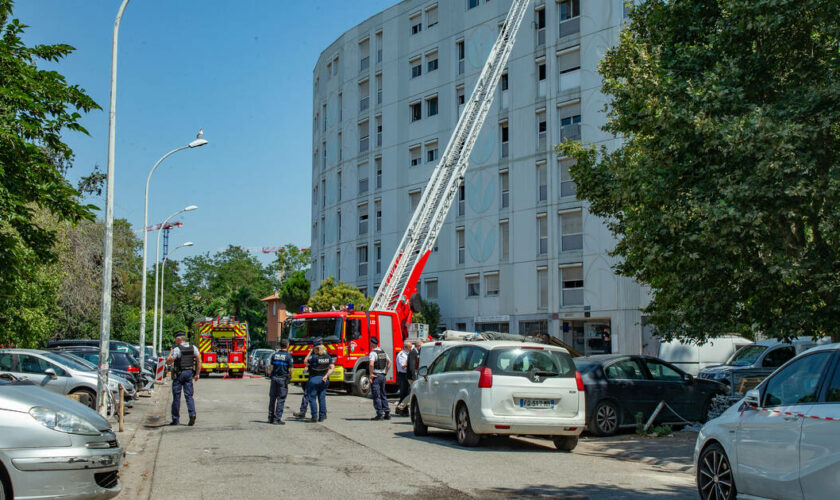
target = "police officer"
x: 304, y: 402
x: 281, y: 363
x: 320, y: 368
x: 380, y: 364
x: 185, y: 359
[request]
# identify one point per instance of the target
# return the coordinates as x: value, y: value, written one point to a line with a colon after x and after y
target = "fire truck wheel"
x: 361, y: 383
x: 420, y: 428
x: 203, y: 374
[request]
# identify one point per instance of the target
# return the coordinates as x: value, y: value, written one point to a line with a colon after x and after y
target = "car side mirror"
x: 423, y: 371
x: 752, y: 398
x: 689, y: 379
x: 50, y: 372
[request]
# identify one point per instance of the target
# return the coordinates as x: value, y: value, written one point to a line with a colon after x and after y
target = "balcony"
x: 571, y: 132
x: 569, y: 80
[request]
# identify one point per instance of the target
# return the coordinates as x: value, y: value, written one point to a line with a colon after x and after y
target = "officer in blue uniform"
x: 304, y: 402
x: 281, y: 362
x: 185, y: 359
x: 380, y: 365
x: 320, y: 366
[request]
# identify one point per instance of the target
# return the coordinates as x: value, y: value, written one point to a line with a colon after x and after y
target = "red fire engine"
x: 223, y: 343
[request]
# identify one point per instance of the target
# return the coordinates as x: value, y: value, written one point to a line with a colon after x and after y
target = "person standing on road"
x: 320, y: 368
x: 281, y: 362
x: 304, y: 402
x: 380, y: 364
x: 402, y: 376
x: 185, y: 360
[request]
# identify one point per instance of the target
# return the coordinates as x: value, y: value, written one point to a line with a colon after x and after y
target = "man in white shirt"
x: 402, y: 375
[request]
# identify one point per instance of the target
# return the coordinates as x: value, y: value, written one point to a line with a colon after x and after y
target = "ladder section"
x: 406, y: 266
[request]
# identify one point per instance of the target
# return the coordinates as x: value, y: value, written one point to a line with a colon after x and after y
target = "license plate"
x: 536, y: 403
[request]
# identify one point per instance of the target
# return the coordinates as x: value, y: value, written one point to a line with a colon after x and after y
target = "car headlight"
x: 61, y: 421
x: 720, y: 375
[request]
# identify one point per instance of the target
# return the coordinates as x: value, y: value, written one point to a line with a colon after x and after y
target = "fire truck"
x: 347, y: 334
x: 223, y: 344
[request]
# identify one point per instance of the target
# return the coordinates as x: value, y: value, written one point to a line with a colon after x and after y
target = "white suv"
x: 501, y: 387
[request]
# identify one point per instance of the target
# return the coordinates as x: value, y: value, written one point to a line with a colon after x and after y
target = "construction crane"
x: 165, y: 227
x: 400, y: 282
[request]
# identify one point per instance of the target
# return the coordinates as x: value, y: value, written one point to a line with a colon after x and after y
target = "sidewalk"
x: 140, y: 440
x: 675, y: 452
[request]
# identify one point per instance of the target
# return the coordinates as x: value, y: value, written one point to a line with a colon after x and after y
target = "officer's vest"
x: 381, y: 360
x: 319, y: 364
x: 281, y: 360
x: 187, y: 359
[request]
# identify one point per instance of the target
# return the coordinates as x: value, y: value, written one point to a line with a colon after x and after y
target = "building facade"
x: 519, y: 252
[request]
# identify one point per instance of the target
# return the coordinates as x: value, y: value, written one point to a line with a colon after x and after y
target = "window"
x: 338, y: 265
x: 571, y: 281
x: 33, y: 364
x: 416, y: 67
x: 335, y: 66
x: 504, y: 240
x: 539, y: 24
x: 568, y: 63
x: 459, y: 53
x: 431, y: 16
x: 533, y: 328
x: 340, y: 107
x: 542, y: 287
x: 364, y: 136
x: 416, y: 111
x: 377, y: 162
x: 338, y: 143
x: 431, y: 152
x: 363, y: 218
x: 416, y: 23
x: 504, y: 189
x: 377, y: 208
x: 626, y: 369
x: 778, y: 357
x: 324, y: 156
x: 338, y: 226
x: 541, y: 130
x: 542, y: 234
x: 364, y: 54
x: 569, y: 9
x: 377, y: 250
x: 431, y: 289
x: 491, y: 284
x: 379, y: 47
x: 431, y: 61
x: 324, y: 114
x: 379, y: 88
x: 504, y: 82
x: 323, y: 267
x: 797, y: 383
x: 542, y: 182
x: 415, y: 156
x: 571, y: 229
x: 832, y: 394
x: 459, y: 237
x: 466, y: 358
x: 661, y: 371
x: 379, y: 131
x: 570, y: 122
x: 462, y: 198
x: 432, y: 106
x: 567, y: 185
x: 440, y: 362
x: 363, y: 178
x: 338, y: 186
x: 414, y: 200
x: 364, y: 95
x: 323, y: 231
x: 323, y: 193
x: 471, y: 4
x: 541, y: 71
x: 329, y: 70
x: 362, y: 260
x: 505, y: 136
x: 473, y: 286
x: 459, y: 98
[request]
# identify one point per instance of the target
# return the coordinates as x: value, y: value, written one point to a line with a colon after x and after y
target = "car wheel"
x: 5, y: 485
x: 605, y: 419
x: 565, y: 443
x: 466, y: 436
x: 714, y: 475
x: 361, y: 383
x: 91, y: 397
x: 420, y: 429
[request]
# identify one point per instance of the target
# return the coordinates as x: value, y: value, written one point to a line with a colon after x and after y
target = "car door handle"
x: 791, y: 418
x: 435, y: 383
x: 456, y: 382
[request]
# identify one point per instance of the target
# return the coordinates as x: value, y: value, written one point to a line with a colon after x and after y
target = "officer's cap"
x: 374, y: 341
x: 317, y: 341
x: 180, y: 334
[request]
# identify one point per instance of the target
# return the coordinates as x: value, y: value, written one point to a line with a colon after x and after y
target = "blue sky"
x: 240, y: 69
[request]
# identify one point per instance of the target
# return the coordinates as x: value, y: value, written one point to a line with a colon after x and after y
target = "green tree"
x: 294, y: 291
x: 332, y: 295
x: 290, y: 259
x: 725, y: 195
x: 36, y: 106
x: 429, y: 314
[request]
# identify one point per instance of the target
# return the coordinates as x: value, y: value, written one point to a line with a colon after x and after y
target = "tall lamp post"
x: 198, y: 142
x: 107, y: 271
x: 157, y: 268
x: 162, y: 276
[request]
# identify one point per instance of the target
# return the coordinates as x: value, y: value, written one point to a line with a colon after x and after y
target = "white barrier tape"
x: 790, y: 414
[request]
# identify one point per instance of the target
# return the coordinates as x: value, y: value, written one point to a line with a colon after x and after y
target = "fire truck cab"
x: 223, y: 343
x: 346, y: 335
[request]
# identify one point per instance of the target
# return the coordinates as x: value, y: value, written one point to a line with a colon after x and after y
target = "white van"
x: 692, y: 358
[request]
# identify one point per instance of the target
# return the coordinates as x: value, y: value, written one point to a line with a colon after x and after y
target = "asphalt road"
x: 232, y: 452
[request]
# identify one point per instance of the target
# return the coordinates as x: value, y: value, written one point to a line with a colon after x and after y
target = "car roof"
x: 798, y: 340
x: 824, y: 347
x: 497, y: 344
x: 19, y: 350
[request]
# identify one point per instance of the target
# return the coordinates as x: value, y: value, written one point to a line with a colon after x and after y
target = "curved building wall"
x: 518, y: 252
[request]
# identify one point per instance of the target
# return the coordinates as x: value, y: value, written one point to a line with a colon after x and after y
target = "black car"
x: 122, y: 362
x: 113, y: 346
x: 620, y: 386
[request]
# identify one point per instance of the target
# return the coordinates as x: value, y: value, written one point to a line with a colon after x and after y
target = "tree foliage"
x: 333, y: 294
x: 429, y: 314
x: 294, y: 291
x: 725, y: 195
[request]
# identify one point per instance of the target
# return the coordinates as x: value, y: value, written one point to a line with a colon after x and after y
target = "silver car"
x: 53, y: 372
x: 52, y: 446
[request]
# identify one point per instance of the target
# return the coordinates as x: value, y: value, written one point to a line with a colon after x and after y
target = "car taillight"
x: 579, y: 381
x: 133, y: 369
x: 485, y: 379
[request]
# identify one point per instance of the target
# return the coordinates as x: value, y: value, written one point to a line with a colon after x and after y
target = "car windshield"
x: 585, y: 366
x: 66, y: 361
x: 521, y: 361
x: 302, y: 331
x: 90, y: 366
x: 746, y: 356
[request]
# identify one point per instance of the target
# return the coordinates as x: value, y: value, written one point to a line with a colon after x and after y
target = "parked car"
x: 53, y: 447
x: 779, y: 442
x: 756, y: 360
x: 254, y: 356
x: 500, y: 387
x: 692, y: 358
x: 118, y: 360
x: 114, y: 345
x: 120, y: 377
x: 619, y: 386
x: 265, y: 363
x: 52, y: 372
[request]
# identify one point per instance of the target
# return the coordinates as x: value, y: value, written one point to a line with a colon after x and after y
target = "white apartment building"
x: 519, y: 252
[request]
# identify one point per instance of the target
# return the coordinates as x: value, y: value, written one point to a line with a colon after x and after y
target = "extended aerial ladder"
x: 400, y: 282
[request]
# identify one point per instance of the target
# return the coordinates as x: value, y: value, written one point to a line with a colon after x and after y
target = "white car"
x: 782, y: 440
x: 501, y: 387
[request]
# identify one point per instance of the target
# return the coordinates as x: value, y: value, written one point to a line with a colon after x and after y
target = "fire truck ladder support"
x: 440, y: 192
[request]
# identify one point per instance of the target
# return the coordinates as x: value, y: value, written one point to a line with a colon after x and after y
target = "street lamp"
x: 108, y: 250
x: 162, y: 276
x: 157, y: 268
x: 198, y: 142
